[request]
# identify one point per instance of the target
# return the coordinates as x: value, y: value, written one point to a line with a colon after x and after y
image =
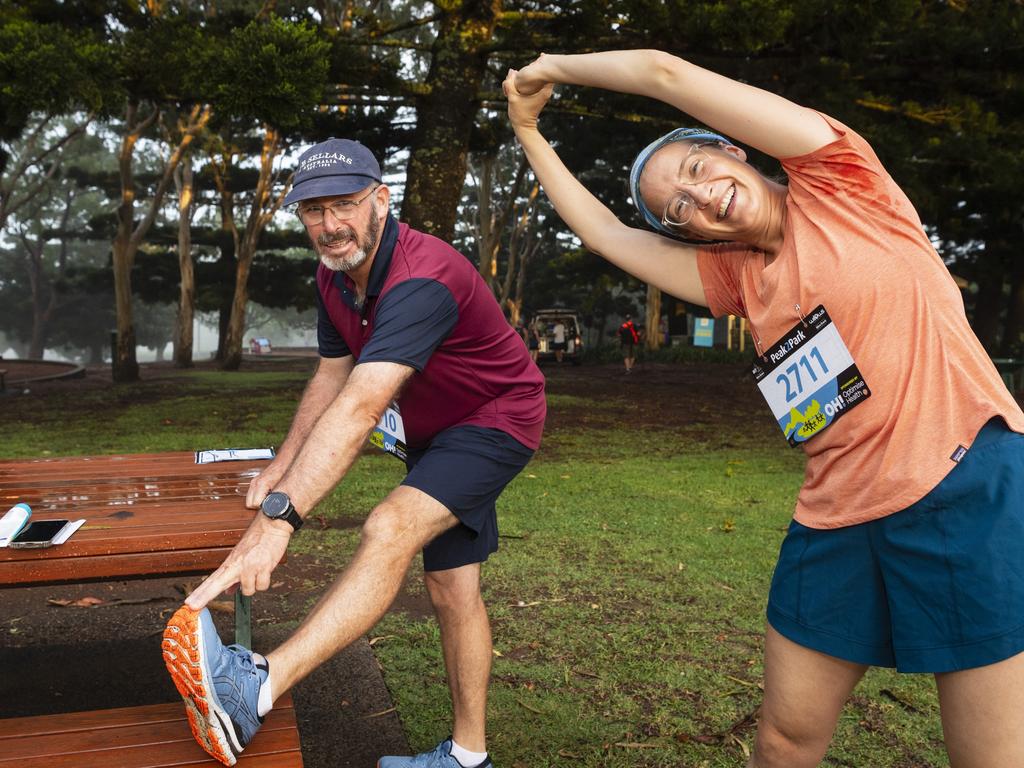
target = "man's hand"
x: 524, y: 110
x: 264, y: 482
x: 250, y: 563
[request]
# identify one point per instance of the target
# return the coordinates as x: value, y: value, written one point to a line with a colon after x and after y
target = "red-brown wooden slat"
x: 153, y: 736
x: 177, y: 463
x: 143, y: 539
x: 139, y: 565
x: 168, y: 716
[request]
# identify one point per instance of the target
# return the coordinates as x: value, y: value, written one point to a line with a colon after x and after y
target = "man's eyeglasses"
x: 341, y: 210
x: 681, y: 206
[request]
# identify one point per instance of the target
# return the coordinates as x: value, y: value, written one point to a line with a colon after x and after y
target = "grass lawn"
x: 627, y: 599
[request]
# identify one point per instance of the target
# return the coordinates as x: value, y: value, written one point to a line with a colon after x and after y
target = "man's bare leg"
x: 394, y: 532
x: 466, y: 641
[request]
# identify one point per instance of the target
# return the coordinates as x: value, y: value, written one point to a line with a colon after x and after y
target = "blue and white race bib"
x: 389, y: 434
x: 809, y: 378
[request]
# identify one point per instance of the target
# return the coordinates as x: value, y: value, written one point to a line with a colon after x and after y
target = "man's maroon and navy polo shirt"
x: 426, y: 307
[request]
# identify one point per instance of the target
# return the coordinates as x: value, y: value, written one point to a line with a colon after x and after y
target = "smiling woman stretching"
x: 905, y: 545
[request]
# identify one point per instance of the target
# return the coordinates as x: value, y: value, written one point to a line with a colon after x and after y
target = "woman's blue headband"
x: 679, y: 134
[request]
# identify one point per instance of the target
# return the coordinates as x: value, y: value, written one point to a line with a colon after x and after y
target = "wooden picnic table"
x: 146, y: 515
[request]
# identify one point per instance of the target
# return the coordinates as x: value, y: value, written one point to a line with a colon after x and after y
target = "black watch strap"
x: 292, y: 517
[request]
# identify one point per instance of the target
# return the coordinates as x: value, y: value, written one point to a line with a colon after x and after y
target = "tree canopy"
x: 937, y: 87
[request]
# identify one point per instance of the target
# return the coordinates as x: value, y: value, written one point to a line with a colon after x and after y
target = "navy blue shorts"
x: 466, y: 468
x: 936, y: 587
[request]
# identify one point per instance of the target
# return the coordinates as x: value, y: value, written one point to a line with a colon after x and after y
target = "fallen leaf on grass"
x: 380, y: 639
x: 636, y: 745
x: 742, y: 745
x: 747, y: 682
x: 383, y: 712
x: 521, y: 604
x: 570, y: 755
x: 728, y: 736
x: 84, y: 602
x: 524, y: 705
x: 900, y: 700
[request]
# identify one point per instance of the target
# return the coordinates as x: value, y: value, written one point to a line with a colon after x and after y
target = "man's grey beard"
x: 356, y: 259
x: 344, y: 263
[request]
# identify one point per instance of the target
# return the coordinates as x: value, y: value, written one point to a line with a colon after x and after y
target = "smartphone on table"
x: 39, y: 533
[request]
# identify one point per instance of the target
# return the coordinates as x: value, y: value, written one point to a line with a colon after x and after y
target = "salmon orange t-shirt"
x: 854, y: 243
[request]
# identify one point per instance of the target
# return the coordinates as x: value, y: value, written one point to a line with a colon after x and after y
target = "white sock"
x: 266, y: 700
x: 465, y: 758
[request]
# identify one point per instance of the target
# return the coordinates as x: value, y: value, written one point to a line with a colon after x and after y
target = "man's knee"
x: 455, y: 589
x: 395, y: 526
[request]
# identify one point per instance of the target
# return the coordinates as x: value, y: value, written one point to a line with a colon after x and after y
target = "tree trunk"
x: 488, y: 238
x: 129, y: 234
x: 236, y: 323
x: 187, y: 292
x: 36, y: 280
x: 445, y: 116
x: 653, y: 318
x: 262, y: 210
x: 124, y: 364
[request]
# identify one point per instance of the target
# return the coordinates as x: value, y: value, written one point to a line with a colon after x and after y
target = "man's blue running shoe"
x: 220, y: 684
x: 439, y: 757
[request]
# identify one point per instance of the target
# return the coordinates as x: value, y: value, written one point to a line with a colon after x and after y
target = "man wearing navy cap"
x: 414, y: 350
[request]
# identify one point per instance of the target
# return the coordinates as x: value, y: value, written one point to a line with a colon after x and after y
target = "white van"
x: 545, y: 321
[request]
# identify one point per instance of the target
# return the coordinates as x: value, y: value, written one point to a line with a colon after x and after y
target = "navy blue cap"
x: 333, y: 167
x: 699, y: 135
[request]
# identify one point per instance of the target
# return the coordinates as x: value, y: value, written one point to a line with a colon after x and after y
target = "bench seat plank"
x: 151, y: 736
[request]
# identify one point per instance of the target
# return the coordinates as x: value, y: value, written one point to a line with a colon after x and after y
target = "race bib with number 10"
x: 809, y: 378
x: 389, y: 434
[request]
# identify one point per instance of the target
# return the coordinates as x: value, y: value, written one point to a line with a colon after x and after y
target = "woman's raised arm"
x: 752, y: 116
x: 660, y: 261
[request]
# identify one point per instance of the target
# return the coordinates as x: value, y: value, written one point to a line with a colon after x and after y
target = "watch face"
x: 275, y: 505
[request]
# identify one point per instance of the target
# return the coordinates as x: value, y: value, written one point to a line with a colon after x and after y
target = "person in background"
x: 558, y: 343
x: 533, y: 339
x: 628, y: 339
x: 905, y: 548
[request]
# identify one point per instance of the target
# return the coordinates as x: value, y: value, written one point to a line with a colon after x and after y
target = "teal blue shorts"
x: 936, y: 587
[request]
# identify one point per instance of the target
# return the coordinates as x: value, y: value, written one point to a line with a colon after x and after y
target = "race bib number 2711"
x: 809, y: 378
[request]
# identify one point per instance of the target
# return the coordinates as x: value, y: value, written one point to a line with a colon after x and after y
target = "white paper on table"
x: 67, y: 530
x: 234, y: 454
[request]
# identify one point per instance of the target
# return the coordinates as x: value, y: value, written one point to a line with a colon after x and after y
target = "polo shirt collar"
x: 378, y: 271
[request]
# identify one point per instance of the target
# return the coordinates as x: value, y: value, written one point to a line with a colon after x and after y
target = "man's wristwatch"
x: 277, y: 506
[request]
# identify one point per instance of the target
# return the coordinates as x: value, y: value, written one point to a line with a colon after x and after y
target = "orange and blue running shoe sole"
x: 219, y: 684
